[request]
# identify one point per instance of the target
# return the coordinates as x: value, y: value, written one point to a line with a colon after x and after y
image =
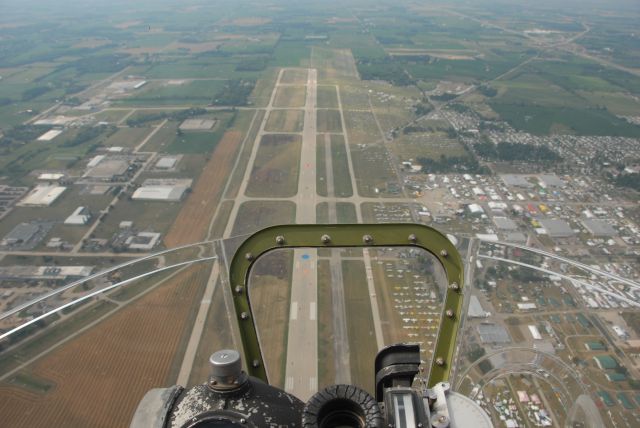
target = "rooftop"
x: 599, y: 227
x: 42, y: 195
x: 556, y: 228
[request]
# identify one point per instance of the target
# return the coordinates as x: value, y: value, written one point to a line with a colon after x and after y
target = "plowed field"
x: 192, y: 223
x: 101, y: 375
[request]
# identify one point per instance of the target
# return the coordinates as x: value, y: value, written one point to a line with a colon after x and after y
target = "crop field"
x: 292, y: 76
x: 139, y: 342
x: 290, y: 96
x: 276, y: 167
x: 329, y: 121
x: 285, y: 121
x: 256, y: 215
x: 192, y: 223
x: 112, y: 116
x: 327, y: 96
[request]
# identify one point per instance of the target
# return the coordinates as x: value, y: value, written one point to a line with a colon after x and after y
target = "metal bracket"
x: 348, y: 235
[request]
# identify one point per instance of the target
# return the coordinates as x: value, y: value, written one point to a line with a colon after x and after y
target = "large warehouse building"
x: 162, y: 190
x: 42, y: 196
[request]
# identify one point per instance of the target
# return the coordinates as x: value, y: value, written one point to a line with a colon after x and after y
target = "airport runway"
x: 301, y: 378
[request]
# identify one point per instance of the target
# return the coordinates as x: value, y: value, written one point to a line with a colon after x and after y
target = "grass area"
x: 329, y: 121
x: 373, y: 169
x: 196, y: 92
x: 290, y: 96
x: 362, y: 340
x: 346, y: 213
x: 111, y: 116
x: 256, y: 215
x: 327, y: 97
x: 285, y: 121
x: 220, y: 222
x: 270, y: 293
x: 276, y: 167
x: 341, y: 178
x: 321, y: 166
x: 198, y: 141
x: 326, y: 353
x: 430, y: 145
x: 261, y: 93
x: 238, y: 173
x: 294, y: 76
x: 333, y: 64
x: 127, y: 137
x: 322, y: 213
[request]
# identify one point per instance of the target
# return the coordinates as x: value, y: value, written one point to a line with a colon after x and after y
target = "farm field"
x: 192, y: 224
x: 131, y: 338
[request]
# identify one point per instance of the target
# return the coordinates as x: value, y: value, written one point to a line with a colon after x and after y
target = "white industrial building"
x: 143, y: 241
x: 42, y: 196
x: 166, y: 162
x: 50, y: 135
x: 170, y: 190
x: 48, y: 176
x: 80, y: 217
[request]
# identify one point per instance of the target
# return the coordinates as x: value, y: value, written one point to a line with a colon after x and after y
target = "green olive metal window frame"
x: 345, y: 236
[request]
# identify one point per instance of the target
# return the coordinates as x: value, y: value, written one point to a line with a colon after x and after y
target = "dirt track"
x: 101, y: 376
x: 192, y: 223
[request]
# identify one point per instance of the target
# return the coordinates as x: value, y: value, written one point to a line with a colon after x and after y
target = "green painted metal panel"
x: 348, y: 235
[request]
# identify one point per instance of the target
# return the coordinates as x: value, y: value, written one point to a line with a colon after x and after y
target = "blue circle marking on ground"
x: 305, y: 257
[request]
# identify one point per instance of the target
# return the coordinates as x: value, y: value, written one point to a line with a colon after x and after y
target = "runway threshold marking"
x: 312, y: 311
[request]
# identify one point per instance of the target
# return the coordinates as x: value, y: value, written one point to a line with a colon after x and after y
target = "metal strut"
x: 349, y: 235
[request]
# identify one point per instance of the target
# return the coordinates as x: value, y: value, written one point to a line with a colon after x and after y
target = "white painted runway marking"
x: 312, y: 311
x: 294, y: 311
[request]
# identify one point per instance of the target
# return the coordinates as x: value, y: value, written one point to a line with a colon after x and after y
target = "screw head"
x: 255, y: 364
x: 325, y: 239
x: 454, y: 286
x: 367, y: 239
x: 280, y: 240
x: 450, y: 313
x: 440, y: 361
x: 244, y: 316
x: 444, y: 253
x: 413, y: 238
x: 239, y: 289
x: 249, y: 256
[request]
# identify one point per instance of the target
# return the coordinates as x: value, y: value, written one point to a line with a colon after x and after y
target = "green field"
x: 329, y: 121
x: 290, y: 96
x: 327, y: 97
x: 285, y: 121
x: 256, y: 215
x: 276, y: 168
x: 197, y: 92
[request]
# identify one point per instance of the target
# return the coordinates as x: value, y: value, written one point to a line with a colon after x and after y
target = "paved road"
x: 301, y: 377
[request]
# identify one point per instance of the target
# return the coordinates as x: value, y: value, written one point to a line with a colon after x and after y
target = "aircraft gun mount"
x: 233, y: 397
